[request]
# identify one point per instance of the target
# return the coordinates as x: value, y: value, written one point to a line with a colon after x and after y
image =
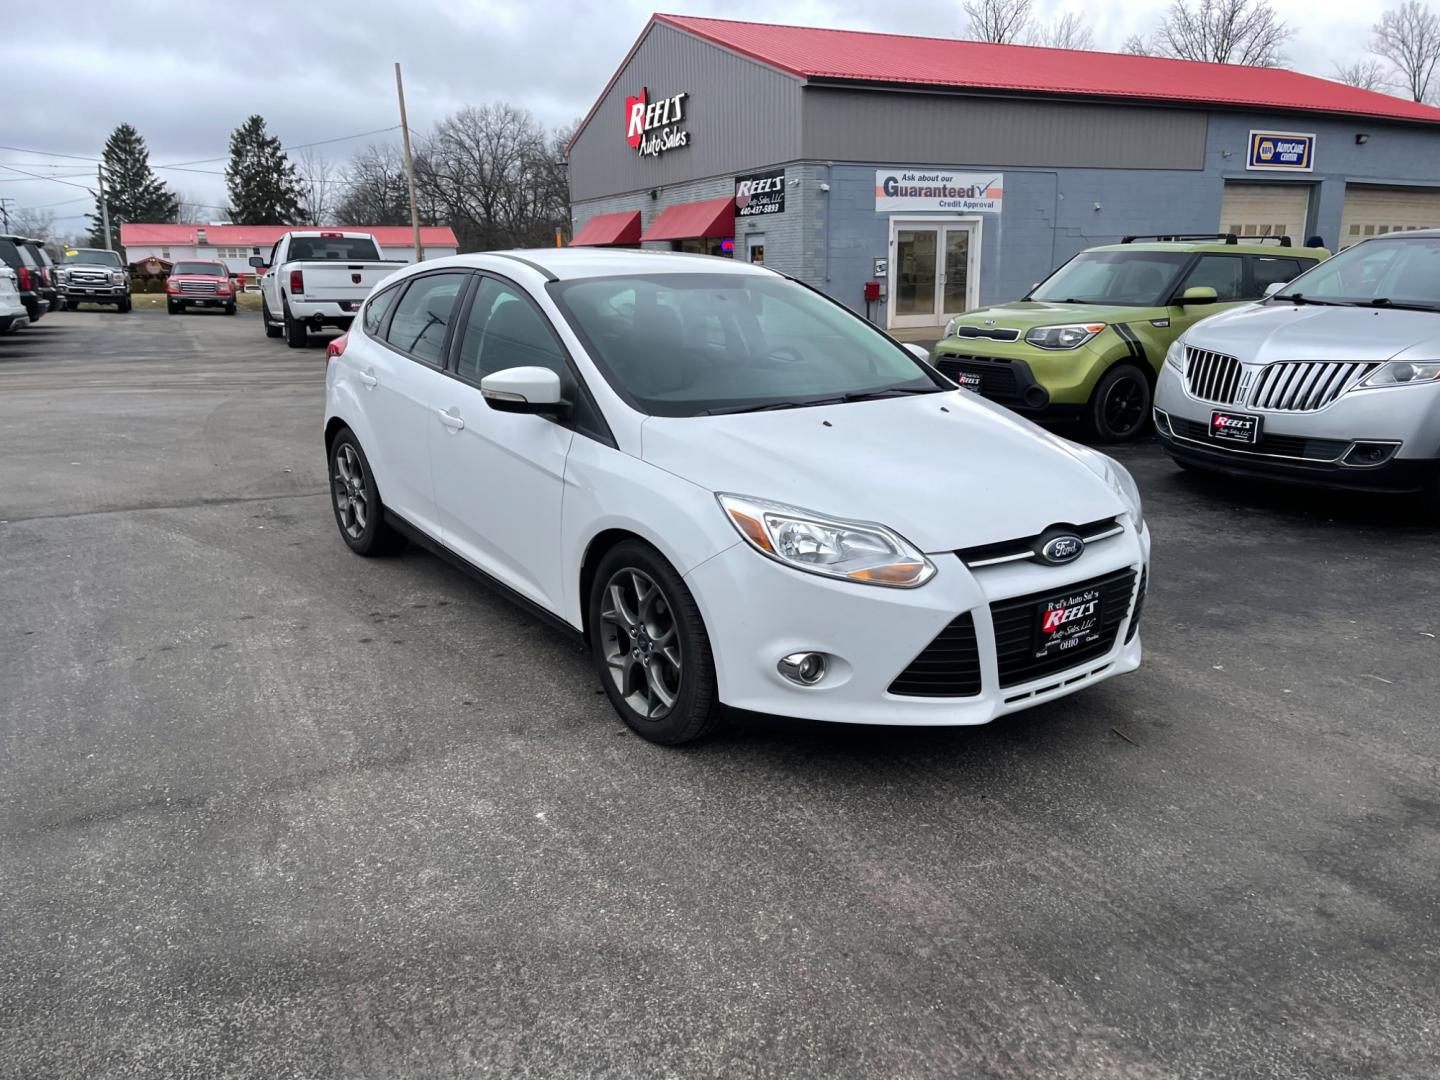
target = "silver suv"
x: 1334, y: 379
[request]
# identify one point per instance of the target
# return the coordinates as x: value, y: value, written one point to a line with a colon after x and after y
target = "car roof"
x: 563, y: 264
x: 1217, y: 246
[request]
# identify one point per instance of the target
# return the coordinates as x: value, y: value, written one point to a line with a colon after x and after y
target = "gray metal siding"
x: 891, y: 126
x: 742, y: 116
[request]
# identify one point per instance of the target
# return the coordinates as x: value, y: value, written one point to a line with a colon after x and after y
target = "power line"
x: 37, y: 176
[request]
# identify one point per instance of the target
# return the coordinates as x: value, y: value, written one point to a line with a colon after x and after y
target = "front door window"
x: 932, y: 271
x: 916, y: 271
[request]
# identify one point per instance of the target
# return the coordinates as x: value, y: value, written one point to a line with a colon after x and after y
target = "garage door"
x: 1371, y: 211
x: 1265, y: 210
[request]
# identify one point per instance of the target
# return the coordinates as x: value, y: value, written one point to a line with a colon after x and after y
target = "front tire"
x: 650, y: 647
x: 359, y: 513
x: 172, y: 308
x: 72, y: 305
x: 229, y: 309
x: 1119, y: 408
x: 124, y: 306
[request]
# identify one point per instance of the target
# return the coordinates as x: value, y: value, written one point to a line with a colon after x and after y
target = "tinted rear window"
x: 337, y: 248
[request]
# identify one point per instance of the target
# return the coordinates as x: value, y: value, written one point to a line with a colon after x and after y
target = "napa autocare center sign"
x: 1281, y: 151
x: 928, y: 189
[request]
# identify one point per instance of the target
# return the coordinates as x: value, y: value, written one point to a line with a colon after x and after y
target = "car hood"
x: 946, y: 471
x: 1025, y: 314
x: 1266, y: 333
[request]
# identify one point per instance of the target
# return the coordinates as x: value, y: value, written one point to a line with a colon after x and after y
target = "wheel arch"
x: 601, y: 544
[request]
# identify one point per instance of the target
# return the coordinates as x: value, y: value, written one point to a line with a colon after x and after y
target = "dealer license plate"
x: 969, y: 380
x: 1068, y: 621
x: 1231, y: 427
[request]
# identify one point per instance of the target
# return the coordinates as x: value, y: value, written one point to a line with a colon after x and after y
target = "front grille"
x: 197, y: 288
x: 1212, y: 376
x: 1306, y: 385
x: 992, y: 333
x: 82, y: 277
x: 999, y: 382
x: 1025, y: 547
x: 1139, y: 607
x: 1291, y: 446
x: 1015, y: 629
x: 949, y: 666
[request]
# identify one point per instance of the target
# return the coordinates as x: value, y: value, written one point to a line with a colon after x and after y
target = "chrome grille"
x: 1212, y: 376
x: 89, y: 277
x: 197, y: 288
x: 1306, y: 385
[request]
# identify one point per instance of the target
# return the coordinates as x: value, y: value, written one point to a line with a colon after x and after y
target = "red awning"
x: 709, y: 218
x: 603, y: 229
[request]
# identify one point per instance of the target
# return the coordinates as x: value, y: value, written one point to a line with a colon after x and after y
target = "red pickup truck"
x: 199, y: 284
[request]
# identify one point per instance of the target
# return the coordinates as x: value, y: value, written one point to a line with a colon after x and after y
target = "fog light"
x: 803, y: 668
x: 1370, y: 453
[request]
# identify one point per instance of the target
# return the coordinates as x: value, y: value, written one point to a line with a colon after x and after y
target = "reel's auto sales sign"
x: 760, y: 194
x: 652, y: 127
x: 928, y: 189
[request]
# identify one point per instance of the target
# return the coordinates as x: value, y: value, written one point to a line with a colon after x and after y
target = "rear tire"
x: 359, y: 513
x: 271, y: 330
x: 1119, y: 408
x: 296, y: 336
x: 650, y: 647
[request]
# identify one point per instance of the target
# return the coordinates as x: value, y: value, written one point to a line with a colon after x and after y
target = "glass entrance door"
x: 933, y: 271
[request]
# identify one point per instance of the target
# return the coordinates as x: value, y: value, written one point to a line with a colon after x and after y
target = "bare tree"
x: 376, y: 192
x: 1223, y: 32
x: 35, y: 224
x: 1409, y: 37
x: 495, y: 175
x: 192, y: 212
x: 320, y: 183
x: 1070, y: 31
x: 1002, y: 22
x: 1135, y: 45
x: 1364, y: 74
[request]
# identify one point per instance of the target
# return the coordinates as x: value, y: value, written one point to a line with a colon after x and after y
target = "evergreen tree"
x: 264, y: 187
x: 131, y: 189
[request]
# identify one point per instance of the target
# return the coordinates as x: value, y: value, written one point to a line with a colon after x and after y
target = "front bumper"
x: 757, y: 611
x: 1024, y: 378
x: 1371, y: 440
x: 94, y: 292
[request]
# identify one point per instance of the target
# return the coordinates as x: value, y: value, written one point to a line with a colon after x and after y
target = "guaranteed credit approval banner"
x: 930, y: 189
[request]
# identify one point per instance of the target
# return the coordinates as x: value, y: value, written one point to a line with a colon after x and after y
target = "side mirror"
x: 1200, y: 294
x: 1274, y: 287
x: 919, y: 352
x: 257, y: 261
x: 524, y: 390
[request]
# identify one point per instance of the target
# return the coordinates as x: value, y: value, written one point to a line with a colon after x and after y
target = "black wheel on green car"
x: 1119, y: 408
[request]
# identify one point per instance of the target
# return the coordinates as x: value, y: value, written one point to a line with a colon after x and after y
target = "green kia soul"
x: 1089, y: 340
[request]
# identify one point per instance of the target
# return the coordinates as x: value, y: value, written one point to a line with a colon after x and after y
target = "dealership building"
x: 914, y: 178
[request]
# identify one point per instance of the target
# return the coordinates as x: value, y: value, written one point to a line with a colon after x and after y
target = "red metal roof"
x: 603, y: 229
x: 689, y: 221
x: 265, y: 235
x: 855, y: 56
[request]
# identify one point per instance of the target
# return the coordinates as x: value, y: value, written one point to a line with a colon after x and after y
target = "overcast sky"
x: 323, y: 70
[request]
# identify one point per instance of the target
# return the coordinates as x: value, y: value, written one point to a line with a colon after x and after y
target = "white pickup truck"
x: 315, y: 279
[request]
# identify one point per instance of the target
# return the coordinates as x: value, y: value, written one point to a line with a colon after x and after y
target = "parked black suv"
x: 49, y: 275
x: 28, y: 274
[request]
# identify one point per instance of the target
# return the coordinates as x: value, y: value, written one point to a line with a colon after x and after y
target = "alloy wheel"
x: 1124, y: 405
x: 641, y: 643
x: 352, y: 506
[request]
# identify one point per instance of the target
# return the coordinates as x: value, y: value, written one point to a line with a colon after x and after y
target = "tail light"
x: 297, y: 281
x: 24, y: 275
x: 336, y: 348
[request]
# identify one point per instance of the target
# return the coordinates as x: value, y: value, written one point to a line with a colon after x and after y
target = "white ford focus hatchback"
x: 734, y: 489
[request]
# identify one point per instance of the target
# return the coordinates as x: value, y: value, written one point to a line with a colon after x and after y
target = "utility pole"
x: 5, y: 213
x: 104, y: 207
x: 409, y: 166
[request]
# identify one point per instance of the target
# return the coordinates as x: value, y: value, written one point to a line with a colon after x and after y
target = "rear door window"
x: 378, y: 307
x: 423, y: 315
x: 1268, y: 269
x: 1223, y: 273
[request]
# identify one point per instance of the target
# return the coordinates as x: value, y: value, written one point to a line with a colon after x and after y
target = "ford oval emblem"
x: 1062, y: 549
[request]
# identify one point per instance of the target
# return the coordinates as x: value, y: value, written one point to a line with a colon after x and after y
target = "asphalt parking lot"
x: 269, y: 809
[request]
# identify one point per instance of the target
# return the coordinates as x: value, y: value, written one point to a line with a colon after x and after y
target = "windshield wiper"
x: 1301, y: 298
x: 1400, y: 305
x: 841, y: 399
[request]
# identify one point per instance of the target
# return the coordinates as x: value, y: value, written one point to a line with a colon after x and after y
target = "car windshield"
x: 208, y: 268
x: 1134, y: 278
x: 690, y: 344
x: 92, y: 256
x: 338, y: 248
x: 1397, y: 271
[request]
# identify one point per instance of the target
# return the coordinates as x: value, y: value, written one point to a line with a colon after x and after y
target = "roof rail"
x: 1213, y: 238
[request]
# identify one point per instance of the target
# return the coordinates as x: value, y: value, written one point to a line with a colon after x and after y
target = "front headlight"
x: 1123, y: 484
x: 859, y: 551
x: 1175, y: 356
x: 1401, y: 373
x: 951, y: 325
x: 117, y: 277
x: 1062, y: 337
